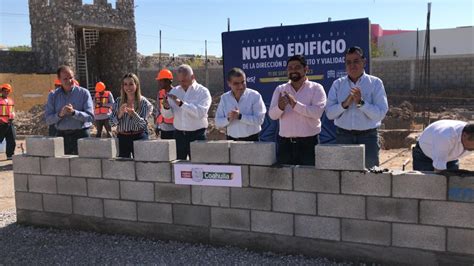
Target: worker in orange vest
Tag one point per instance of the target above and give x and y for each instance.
(104, 100)
(52, 127)
(7, 114)
(163, 126)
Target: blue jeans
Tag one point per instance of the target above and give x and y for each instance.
(370, 138)
(421, 162)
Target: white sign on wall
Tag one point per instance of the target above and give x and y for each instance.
(208, 175)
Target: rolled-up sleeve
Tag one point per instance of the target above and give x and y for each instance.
(379, 108)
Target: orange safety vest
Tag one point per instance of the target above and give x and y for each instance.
(100, 101)
(160, 118)
(7, 110)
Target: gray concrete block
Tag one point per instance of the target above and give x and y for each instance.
(172, 193)
(341, 206)
(461, 188)
(88, 206)
(245, 171)
(251, 198)
(253, 153)
(155, 150)
(392, 210)
(230, 218)
(120, 209)
(307, 178)
(104, 148)
(271, 177)
(107, 189)
(340, 157)
(140, 191)
(57, 203)
(294, 202)
(45, 146)
(149, 171)
(72, 186)
(24, 164)
(213, 151)
(272, 222)
(118, 169)
(55, 166)
(419, 236)
(212, 196)
(20, 182)
(42, 184)
(84, 167)
(155, 212)
(368, 232)
(420, 186)
(28, 201)
(192, 215)
(461, 241)
(457, 214)
(318, 227)
(374, 184)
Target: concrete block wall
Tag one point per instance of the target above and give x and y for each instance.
(403, 217)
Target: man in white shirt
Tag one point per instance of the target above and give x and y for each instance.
(188, 103)
(442, 144)
(241, 110)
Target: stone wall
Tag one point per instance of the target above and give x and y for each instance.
(18, 62)
(405, 217)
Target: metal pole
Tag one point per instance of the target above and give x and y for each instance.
(159, 56)
(205, 64)
(228, 24)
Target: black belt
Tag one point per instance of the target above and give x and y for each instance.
(71, 131)
(357, 132)
(190, 132)
(297, 139)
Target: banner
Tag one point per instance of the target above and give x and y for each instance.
(208, 175)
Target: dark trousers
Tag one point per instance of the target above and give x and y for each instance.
(8, 132)
(165, 134)
(370, 138)
(99, 124)
(126, 143)
(52, 130)
(183, 140)
(297, 151)
(421, 162)
(253, 137)
(70, 138)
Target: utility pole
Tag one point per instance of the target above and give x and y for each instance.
(205, 64)
(159, 56)
(228, 24)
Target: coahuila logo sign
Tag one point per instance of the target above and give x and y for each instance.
(209, 175)
(198, 175)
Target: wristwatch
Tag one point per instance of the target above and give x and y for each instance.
(240, 116)
(361, 103)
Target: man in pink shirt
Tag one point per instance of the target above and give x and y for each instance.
(299, 105)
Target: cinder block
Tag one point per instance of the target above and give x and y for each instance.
(141, 191)
(29, 201)
(42, 184)
(155, 150)
(271, 177)
(420, 186)
(457, 214)
(212, 196)
(460, 241)
(159, 172)
(107, 189)
(192, 215)
(230, 218)
(24, 164)
(72, 186)
(294, 202)
(374, 184)
(309, 179)
(21, 182)
(45, 146)
(341, 206)
(55, 166)
(272, 222)
(214, 151)
(118, 169)
(461, 188)
(104, 148)
(155, 212)
(340, 157)
(419, 236)
(172, 193)
(392, 210)
(369, 232)
(318, 227)
(251, 198)
(84, 167)
(120, 209)
(253, 153)
(57, 203)
(245, 170)
(88, 206)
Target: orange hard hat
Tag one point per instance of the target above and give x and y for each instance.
(57, 82)
(7, 86)
(100, 86)
(164, 74)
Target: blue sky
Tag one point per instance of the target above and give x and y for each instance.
(185, 24)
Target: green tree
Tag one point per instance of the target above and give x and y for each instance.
(20, 48)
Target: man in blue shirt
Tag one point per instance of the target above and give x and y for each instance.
(70, 109)
(358, 103)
